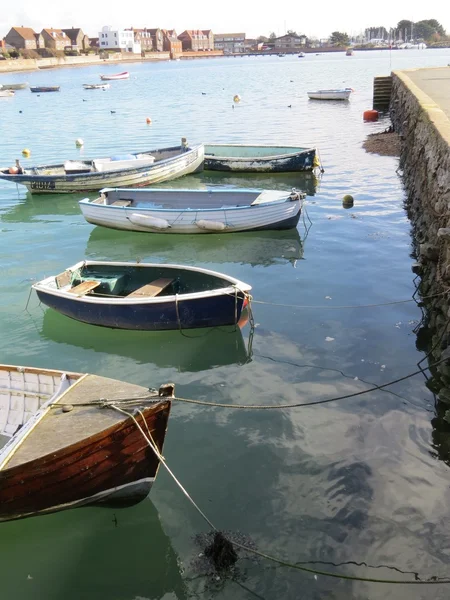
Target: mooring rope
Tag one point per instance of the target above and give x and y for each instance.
(325, 307)
(152, 444)
(106, 403)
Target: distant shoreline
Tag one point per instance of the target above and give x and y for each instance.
(32, 65)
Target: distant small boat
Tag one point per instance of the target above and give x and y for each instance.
(302, 55)
(124, 75)
(218, 210)
(145, 296)
(6, 93)
(349, 52)
(281, 55)
(253, 159)
(343, 94)
(96, 86)
(68, 448)
(13, 86)
(42, 90)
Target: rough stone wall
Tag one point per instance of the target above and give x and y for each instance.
(425, 165)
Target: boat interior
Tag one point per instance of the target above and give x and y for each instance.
(101, 165)
(188, 199)
(23, 391)
(249, 151)
(135, 281)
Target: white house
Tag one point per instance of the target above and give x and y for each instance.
(121, 40)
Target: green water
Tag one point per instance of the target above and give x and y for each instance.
(355, 480)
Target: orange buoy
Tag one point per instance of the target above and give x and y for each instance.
(148, 121)
(370, 115)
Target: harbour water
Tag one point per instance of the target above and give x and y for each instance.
(355, 480)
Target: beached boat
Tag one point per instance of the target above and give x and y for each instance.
(124, 75)
(138, 169)
(68, 447)
(144, 296)
(193, 211)
(302, 55)
(6, 93)
(43, 90)
(96, 86)
(13, 86)
(262, 159)
(343, 94)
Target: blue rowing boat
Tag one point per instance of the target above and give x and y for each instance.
(144, 296)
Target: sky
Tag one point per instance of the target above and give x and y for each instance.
(318, 19)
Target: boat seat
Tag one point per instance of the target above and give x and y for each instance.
(152, 289)
(63, 279)
(84, 287)
(121, 203)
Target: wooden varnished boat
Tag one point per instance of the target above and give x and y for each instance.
(66, 450)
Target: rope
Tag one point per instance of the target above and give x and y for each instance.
(312, 403)
(104, 403)
(349, 306)
(151, 442)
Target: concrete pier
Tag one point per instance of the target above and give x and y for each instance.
(420, 112)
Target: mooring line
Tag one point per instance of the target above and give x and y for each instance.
(151, 443)
(325, 307)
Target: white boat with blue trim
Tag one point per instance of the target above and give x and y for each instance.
(259, 159)
(216, 210)
(138, 169)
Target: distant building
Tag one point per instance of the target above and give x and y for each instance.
(171, 43)
(150, 39)
(22, 38)
(78, 39)
(55, 39)
(230, 43)
(94, 42)
(194, 40)
(210, 37)
(290, 41)
(121, 40)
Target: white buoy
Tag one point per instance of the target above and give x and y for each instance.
(79, 142)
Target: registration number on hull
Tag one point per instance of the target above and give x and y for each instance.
(42, 185)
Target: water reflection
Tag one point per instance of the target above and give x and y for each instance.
(254, 248)
(31, 207)
(91, 553)
(195, 350)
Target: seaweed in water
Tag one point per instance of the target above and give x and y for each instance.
(218, 556)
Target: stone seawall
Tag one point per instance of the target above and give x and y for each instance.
(425, 163)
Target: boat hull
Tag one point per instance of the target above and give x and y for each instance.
(276, 163)
(164, 170)
(115, 467)
(212, 311)
(330, 95)
(252, 218)
(44, 90)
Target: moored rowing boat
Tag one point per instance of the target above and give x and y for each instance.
(66, 449)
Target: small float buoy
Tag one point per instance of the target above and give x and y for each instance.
(26, 152)
(236, 98)
(347, 201)
(148, 121)
(79, 142)
(370, 115)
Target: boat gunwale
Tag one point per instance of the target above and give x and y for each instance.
(236, 285)
(282, 200)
